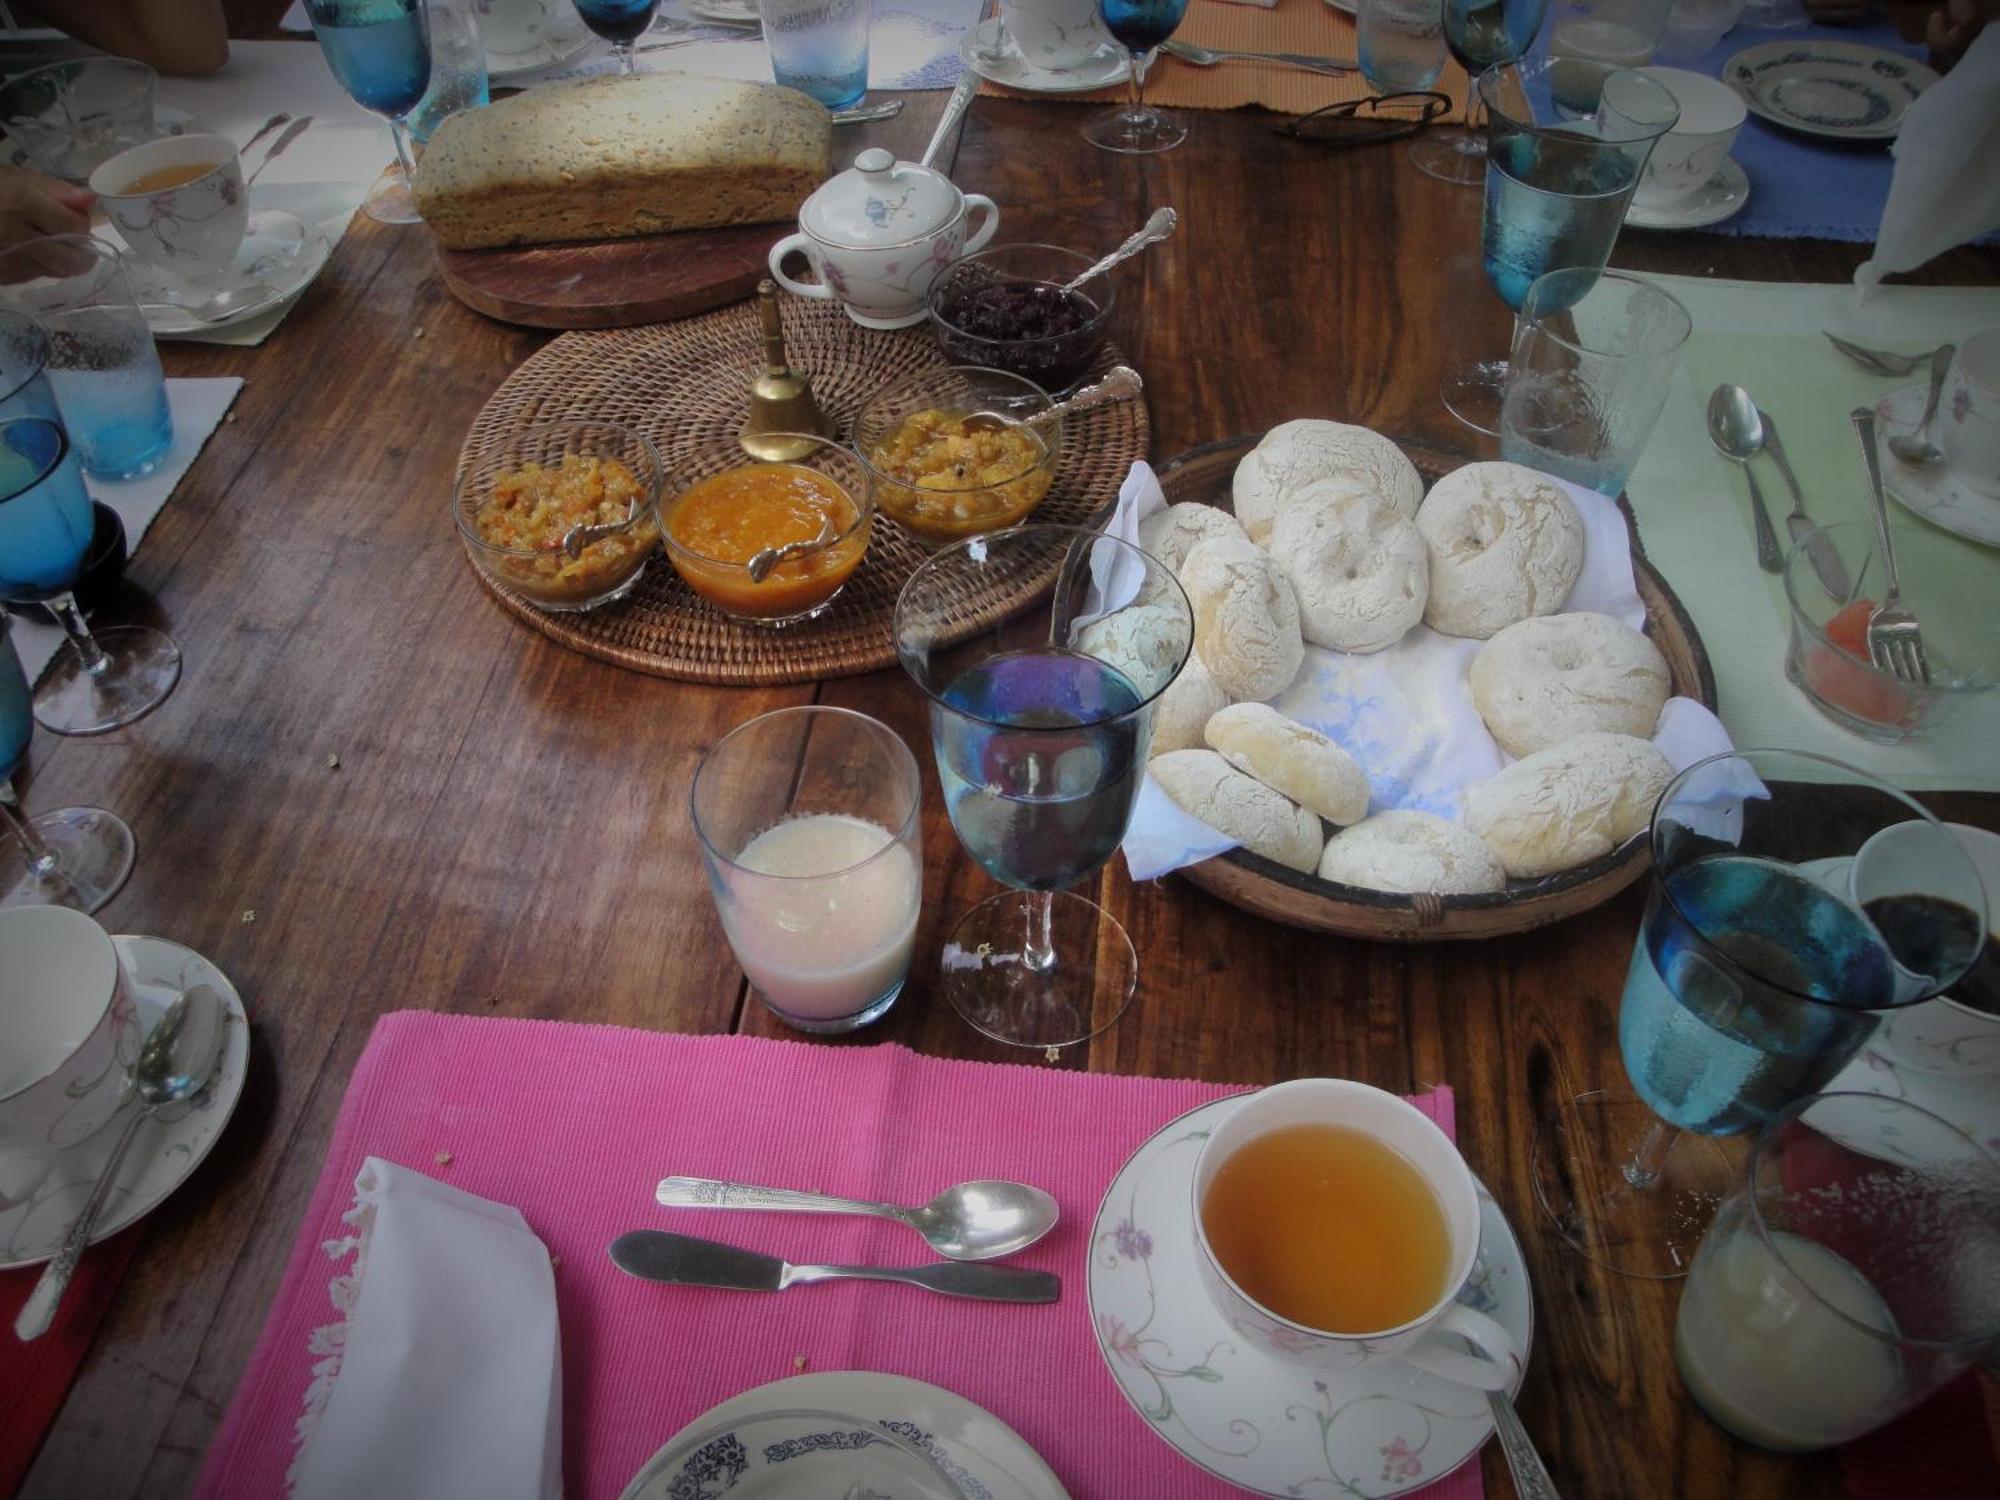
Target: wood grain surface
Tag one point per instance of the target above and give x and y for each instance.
(466, 856)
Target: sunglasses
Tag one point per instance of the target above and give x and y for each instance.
(1368, 122)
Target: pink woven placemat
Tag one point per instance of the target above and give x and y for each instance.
(574, 1124)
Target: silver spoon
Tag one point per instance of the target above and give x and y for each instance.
(765, 559)
(1531, 1475)
(1159, 227)
(282, 117)
(1917, 450)
(1120, 383)
(231, 302)
(293, 131)
(973, 1221)
(1208, 57)
(176, 1063)
(1737, 431)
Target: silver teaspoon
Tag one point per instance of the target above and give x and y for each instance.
(1159, 227)
(1916, 449)
(973, 1221)
(765, 559)
(175, 1064)
(1120, 383)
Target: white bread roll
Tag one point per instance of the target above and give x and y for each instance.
(1545, 680)
(1412, 852)
(1170, 534)
(1146, 642)
(1505, 543)
(1566, 806)
(1360, 570)
(1291, 758)
(1208, 787)
(1295, 454)
(1246, 620)
(1185, 708)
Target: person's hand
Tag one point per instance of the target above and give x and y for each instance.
(1952, 27)
(32, 205)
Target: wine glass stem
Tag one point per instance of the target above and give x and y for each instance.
(39, 858)
(402, 150)
(1650, 1160)
(95, 662)
(1135, 85)
(628, 61)
(1038, 949)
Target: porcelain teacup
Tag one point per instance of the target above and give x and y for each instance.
(1405, 1130)
(512, 27)
(1054, 33)
(1968, 418)
(69, 1038)
(190, 228)
(1712, 115)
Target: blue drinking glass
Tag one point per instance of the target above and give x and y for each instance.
(380, 52)
(1480, 36)
(621, 23)
(78, 856)
(1040, 729)
(1137, 127)
(95, 682)
(1794, 901)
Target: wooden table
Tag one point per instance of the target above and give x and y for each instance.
(506, 831)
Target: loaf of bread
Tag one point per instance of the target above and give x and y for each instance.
(609, 158)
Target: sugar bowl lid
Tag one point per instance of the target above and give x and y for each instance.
(880, 201)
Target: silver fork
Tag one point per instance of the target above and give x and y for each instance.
(1881, 361)
(1895, 644)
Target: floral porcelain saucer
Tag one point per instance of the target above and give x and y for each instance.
(165, 1151)
(987, 51)
(1719, 198)
(1936, 493)
(1269, 1427)
(280, 250)
(1967, 1100)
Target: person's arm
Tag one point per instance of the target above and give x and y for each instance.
(32, 205)
(175, 36)
(1953, 26)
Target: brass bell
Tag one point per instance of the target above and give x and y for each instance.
(781, 399)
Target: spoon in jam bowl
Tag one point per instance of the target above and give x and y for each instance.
(972, 1221)
(1120, 383)
(1159, 227)
(764, 559)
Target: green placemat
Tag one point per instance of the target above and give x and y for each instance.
(1694, 513)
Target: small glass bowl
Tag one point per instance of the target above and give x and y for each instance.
(995, 498)
(803, 585)
(604, 568)
(1056, 362)
(1827, 658)
(769, 1454)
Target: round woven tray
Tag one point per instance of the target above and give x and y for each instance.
(688, 382)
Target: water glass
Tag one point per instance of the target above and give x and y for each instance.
(1400, 43)
(458, 68)
(1854, 1272)
(1591, 39)
(70, 116)
(810, 825)
(1593, 355)
(819, 47)
(103, 365)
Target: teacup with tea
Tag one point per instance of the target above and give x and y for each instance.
(180, 202)
(1335, 1226)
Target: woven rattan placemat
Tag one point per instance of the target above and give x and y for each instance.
(688, 382)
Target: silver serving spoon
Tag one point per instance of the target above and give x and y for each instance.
(1917, 450)
(973, 1221)
(1737, 431)
(765, 559)
(176, 1063)
(1159, 227)
(1120, 383)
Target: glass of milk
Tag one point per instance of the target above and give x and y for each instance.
(810, 823)
(1855, 1271)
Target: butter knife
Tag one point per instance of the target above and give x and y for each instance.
(1820, 551)
(684, 1260)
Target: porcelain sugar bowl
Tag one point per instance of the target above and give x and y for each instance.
(878, 234)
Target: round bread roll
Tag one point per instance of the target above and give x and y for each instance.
(1185, 708)
(1294, 454)
(1292, 758)
(1505, 543)
(1246, 620)
(1208, 787)
(1566, 806)
(1170, 534)
(1412, 852)
(1358, 566)
(1145, 641)
(1545, 680)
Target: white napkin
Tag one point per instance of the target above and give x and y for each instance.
(446, 1382)
(198, 406)
(1946, 186)
(1406, 713)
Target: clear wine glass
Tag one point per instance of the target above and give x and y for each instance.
(76, 856)
(1794, 901)
(1138, 127)
(1480, 36)
(621, 23)
(1041, 746)
(380, 52)
(1556, 194)
(1399, 43)
(95, 682)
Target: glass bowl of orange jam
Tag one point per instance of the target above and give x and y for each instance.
(729, 507)
(521, 497)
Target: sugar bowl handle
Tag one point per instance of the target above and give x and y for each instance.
(980, 204)
(785, 247)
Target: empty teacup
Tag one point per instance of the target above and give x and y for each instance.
(1687, 156)
(180, 203)
(1054, 33)
(1969, 416)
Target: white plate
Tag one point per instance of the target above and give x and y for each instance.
(164, 1152)
(567, 37)
(1269, 1427)
(982, 1453)
(993, 57)
(1935, 493)
(726, 12)
(1840, 90)
(281, 250)
(1719, 198)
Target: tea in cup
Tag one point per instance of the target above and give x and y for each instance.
(1335, 1226)
(1968, 417)
(69, 1039)
(1712, 115)
(180, 202)
(1054, 33)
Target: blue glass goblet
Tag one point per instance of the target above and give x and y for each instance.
(1138, 127)
(380, 52)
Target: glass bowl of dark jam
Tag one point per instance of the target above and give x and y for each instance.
(1006, 309)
